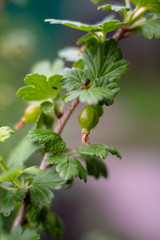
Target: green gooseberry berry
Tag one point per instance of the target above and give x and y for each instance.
(88, 118)
(32, 113)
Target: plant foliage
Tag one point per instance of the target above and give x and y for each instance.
(92, 79)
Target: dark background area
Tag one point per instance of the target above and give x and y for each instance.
(126, 205)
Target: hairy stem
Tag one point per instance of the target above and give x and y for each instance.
(61, 122)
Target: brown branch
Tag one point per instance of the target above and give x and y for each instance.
(121, 33)
(20, 219)
(60, 125)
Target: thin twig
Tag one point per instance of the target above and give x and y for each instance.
(59, 127)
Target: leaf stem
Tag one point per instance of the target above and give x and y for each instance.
(104, 37)
(136, 15)
(8, 188)
(17, 184)
(97, 37)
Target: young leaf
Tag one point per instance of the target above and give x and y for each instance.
(112, 150)
(40, 88)
(105, 61)
(111, 25)
(8, 200)
(116, 8)
(5, 133)
(21, 153)
(68, 167)
(73, 78)
(151, 5)
(91, 96)
(75, 25)
(27, 234)
(52, 141)
(10, 175)
(93, 150)
(33, 170)
(106, 27)
(41, 185)
(95, 166)
(85, 38)
(47, 106)
(151, 28)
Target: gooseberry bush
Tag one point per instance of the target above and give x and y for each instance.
(93, 79)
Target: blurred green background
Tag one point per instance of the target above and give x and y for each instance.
(127, 204)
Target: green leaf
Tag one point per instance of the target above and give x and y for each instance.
(85, 38)
(151, 28)
(48, 178)
(95, 166)
(106, 27)
(33, 170)
(111, 25)
(5, 133)
(116, 8)
(10, 175)
(55, 225)
(21, 153)
(73, 78)
(41, 185)
(68, 167)
(93, 150)
(8, 200)
(112, 150)
(152, 5)
(69, 54)
(20, 195)
(40, 195)
(105, 61)
(78, 64)
(40, 88)
(47, 106)
(52, 141)
(47, 68)
(75, 25)
(27, 234)
(98, 150)
(91, 96)
(7, 203)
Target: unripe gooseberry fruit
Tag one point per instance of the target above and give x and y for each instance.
(99, 110)
(88, 118)
(31, 113)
